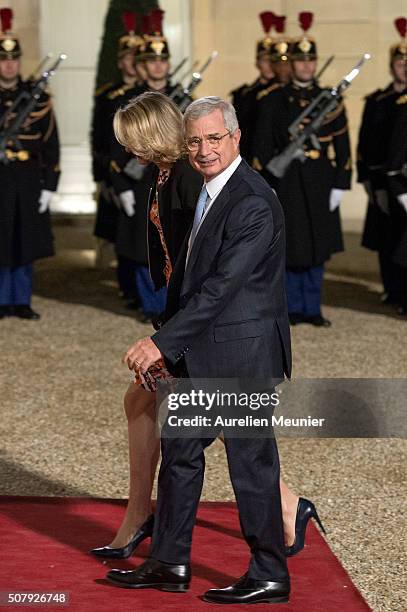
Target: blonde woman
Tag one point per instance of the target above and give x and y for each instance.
(150, 126)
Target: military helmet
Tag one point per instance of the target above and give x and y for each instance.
(130, 42)
(156, 45)
(399, 50)
(279, 50)
(9, 43)
(304, 47)
(264, 45)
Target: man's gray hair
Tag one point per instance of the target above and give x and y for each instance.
(206, 106)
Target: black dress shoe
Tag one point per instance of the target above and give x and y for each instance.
(5, 311)
(153, 574)
(318, 321)
(249, 591)
(145, 531)
(305, 511)
(26, 312)
(296, 317)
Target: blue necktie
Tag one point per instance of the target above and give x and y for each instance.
(199, 212)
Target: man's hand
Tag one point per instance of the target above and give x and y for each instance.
(142, 355)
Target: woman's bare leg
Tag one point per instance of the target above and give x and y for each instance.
(289, 503)
(144, 452)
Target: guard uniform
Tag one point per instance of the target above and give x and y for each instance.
(244, 97)
(108, 98)
(313, 231)
(28, 175)
(376, 147)
(127, 175)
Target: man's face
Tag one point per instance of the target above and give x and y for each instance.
(127, 65)
(304, 70)
(141, 71)
(399, 70)
(207, 160)
(9, 69)
(282, 70)
(265, 68)
(157, 69)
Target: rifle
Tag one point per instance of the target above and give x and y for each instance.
(40, 66)
(28, 101)
(324, 67)
(186, 73)
(177, 68)
(327, 101)
(182, 96)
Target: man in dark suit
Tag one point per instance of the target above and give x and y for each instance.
(227, 318)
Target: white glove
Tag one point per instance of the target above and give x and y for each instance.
(44, 201)
(335, 198)
(402, 199)
(382, 200)
(128, 202)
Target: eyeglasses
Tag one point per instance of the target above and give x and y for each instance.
(213, 141)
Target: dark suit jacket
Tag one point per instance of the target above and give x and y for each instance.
(227, 312)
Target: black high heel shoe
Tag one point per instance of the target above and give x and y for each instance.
(305, 511)
(145, 531)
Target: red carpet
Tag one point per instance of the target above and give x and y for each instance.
(44, 544)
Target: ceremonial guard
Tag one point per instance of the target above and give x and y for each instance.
(244, 97)
(311, 190)
(108, 98)
(373, 155)
(132, 181)
(396, 170)
(29, 172)
(279, 57)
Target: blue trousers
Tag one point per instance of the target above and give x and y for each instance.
(16, 285)
(304, 290)
(126, 270)
(152, 301)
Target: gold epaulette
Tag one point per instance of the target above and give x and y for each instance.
(102, 89)
(114, 166)
(256, 164)
(265, 92)
(119, 92)
(402, 99)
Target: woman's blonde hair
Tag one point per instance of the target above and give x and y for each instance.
(150, 125)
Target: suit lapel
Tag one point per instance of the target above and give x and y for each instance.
(207, 224)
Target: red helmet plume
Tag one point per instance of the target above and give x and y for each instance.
(267, 20)
(6, 18)
(401, 26)
(129, 21)
(306, 18)
(280, 23)
(156, 21)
